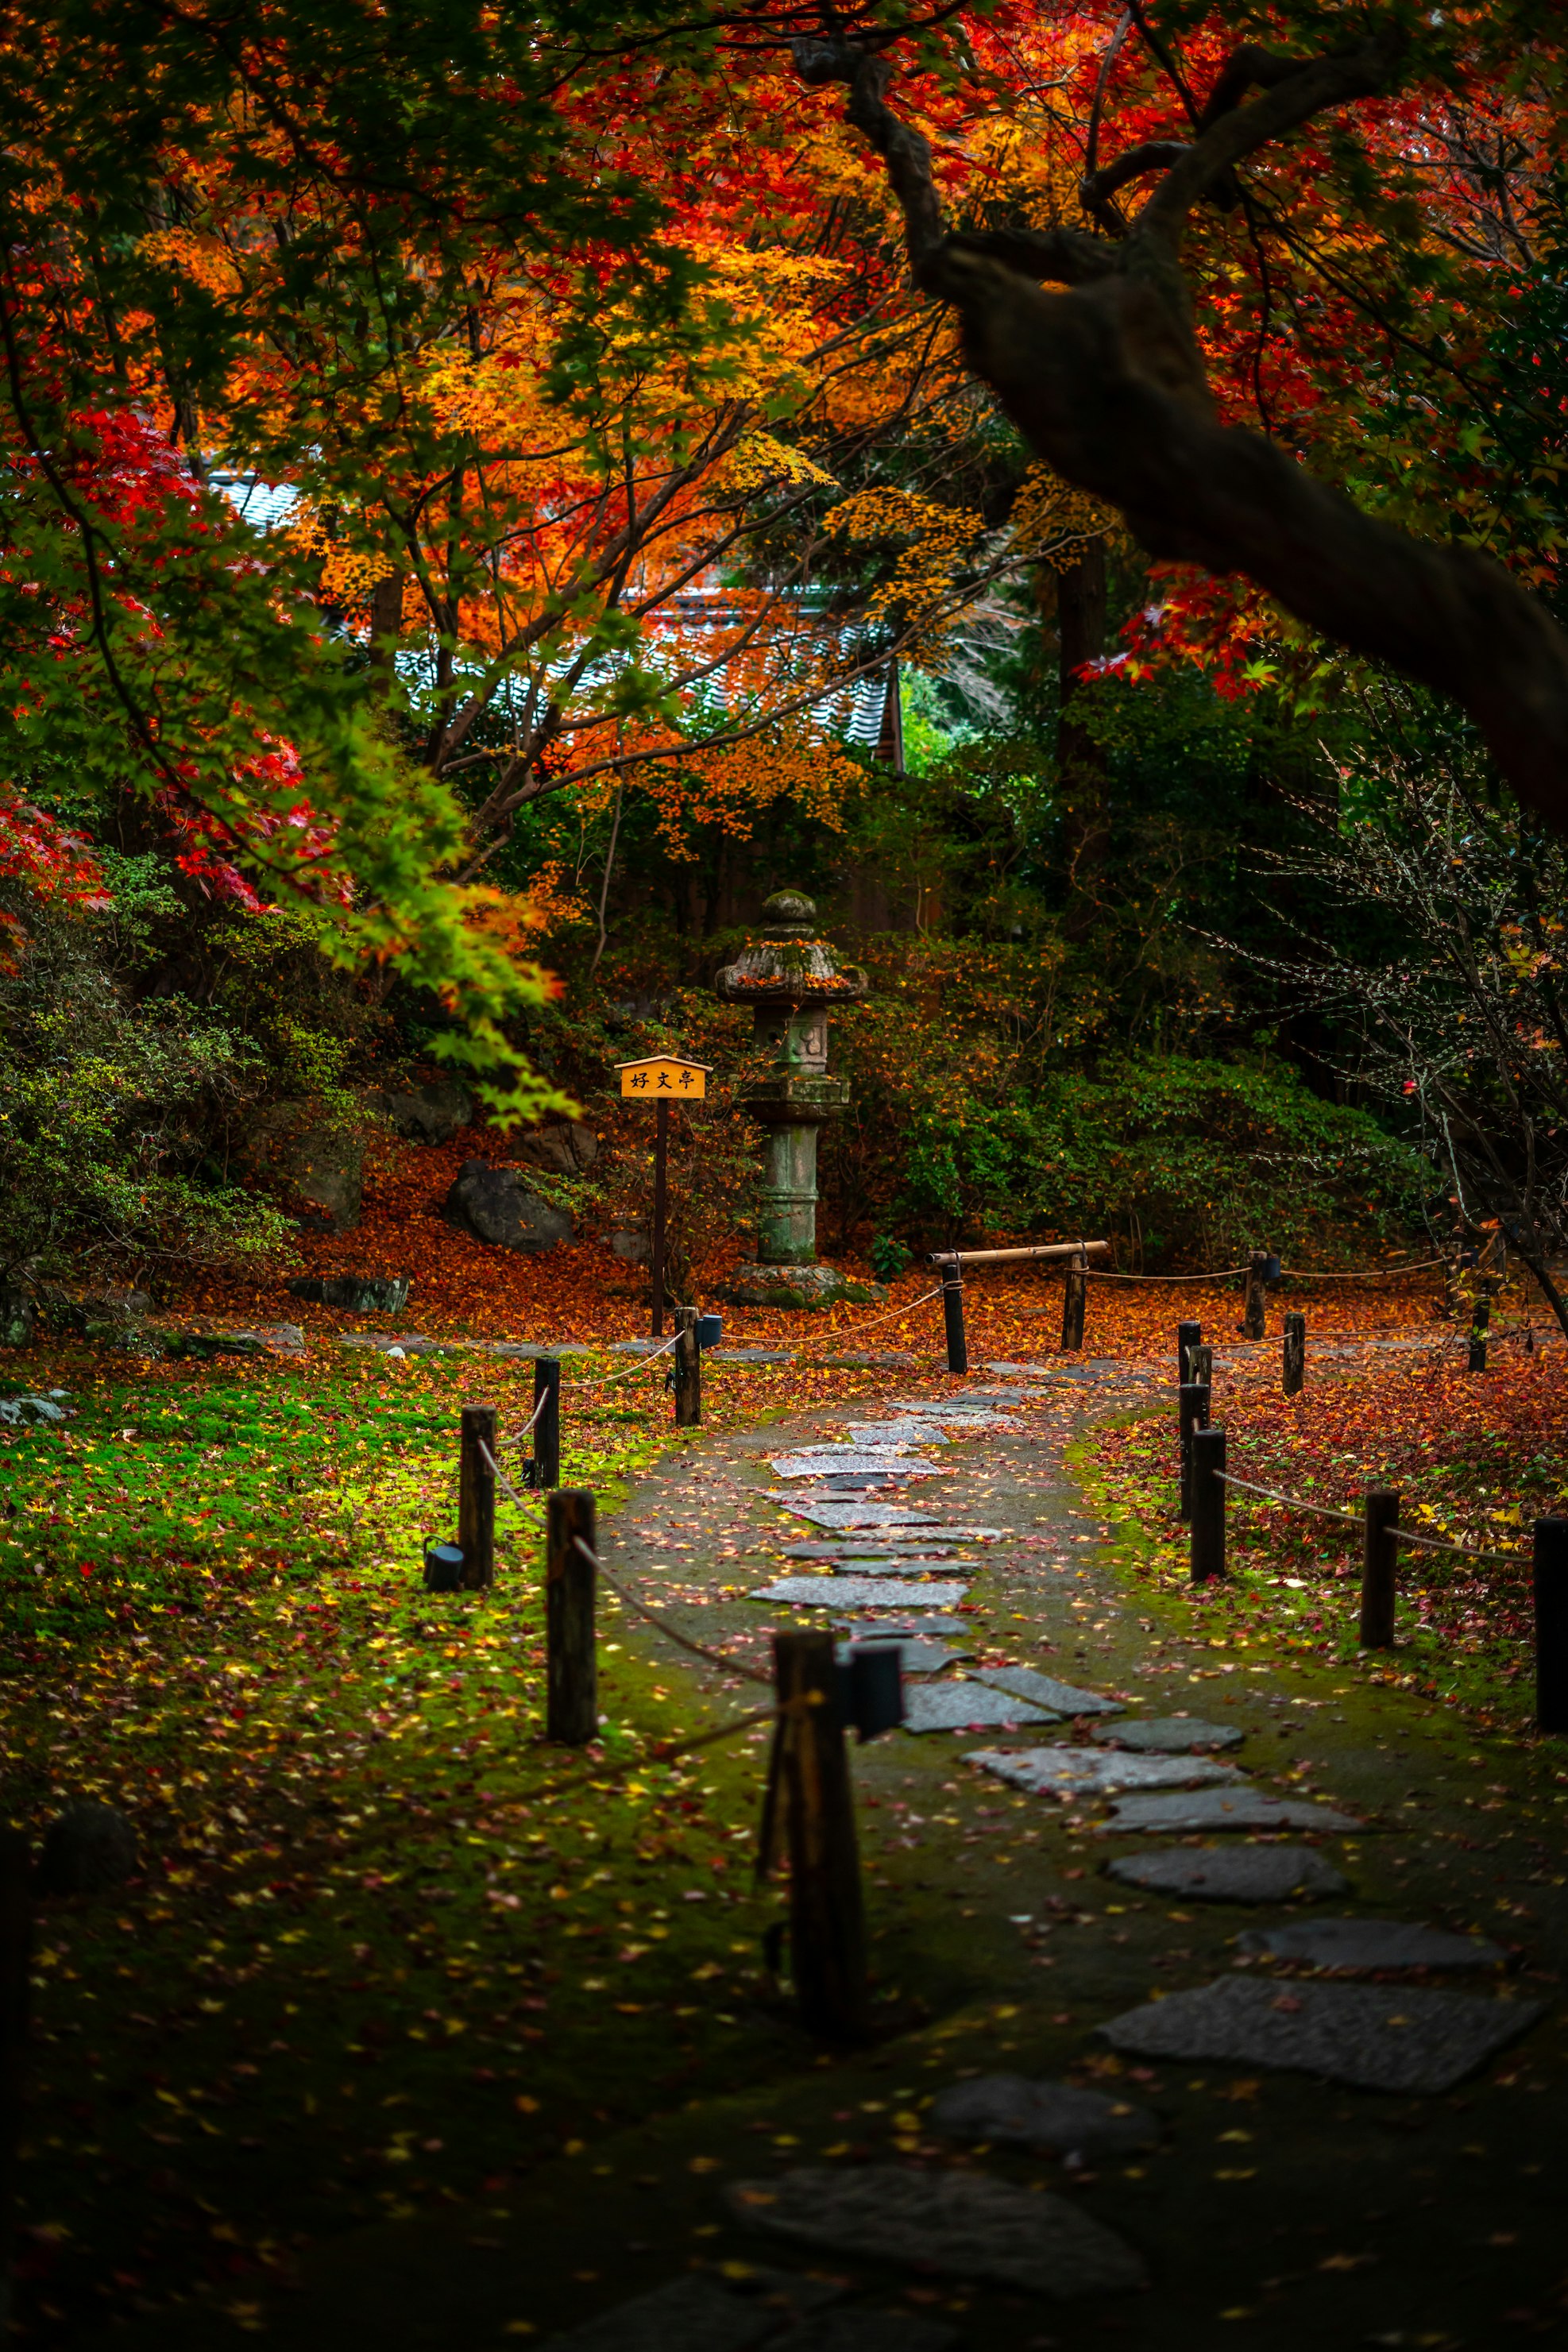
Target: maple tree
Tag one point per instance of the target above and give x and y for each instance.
(1127, 382)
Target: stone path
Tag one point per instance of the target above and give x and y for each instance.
(1124, 2089)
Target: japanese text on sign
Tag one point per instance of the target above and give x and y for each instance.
(664, 1076)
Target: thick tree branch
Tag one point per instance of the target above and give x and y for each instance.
(1106, 383)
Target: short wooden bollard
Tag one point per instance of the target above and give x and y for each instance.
(1295, 1377)
(1252, 1321)
(1480, 1322)
(953, 1315)
(1075, 1303)
(1188, 1337)
(1202, 1366)
(688, 1370)
(1379, 1569)
(476, 1497)
(826, 1916)
(1551, 1580)
(571, 1680)
(1192, 1412)
(547, 1428)
(1209, 1505)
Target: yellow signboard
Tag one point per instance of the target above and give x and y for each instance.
(664, 1078)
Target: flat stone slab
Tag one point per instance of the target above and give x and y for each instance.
(961, 2222)
(1368, 1944)
(703, 2315)
(1093, 1771)
(909, 1431)
(862, 1592)
(864, 1548)
(965, 1707)
(1015, 2111)
(866, 2331)
(387, 1343)
(1240, 1808)
(878, 1469)
(936, 1627)
(915, 1658)
(891, 1516)
(1237, 1874)
(752, 1356)
(1169, 1734)
(1387, 2038)
(1027, 1682)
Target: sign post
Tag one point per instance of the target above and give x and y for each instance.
(661, 1079)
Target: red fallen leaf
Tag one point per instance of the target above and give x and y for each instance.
(1286, 2001)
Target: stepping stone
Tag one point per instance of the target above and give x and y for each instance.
(862, 1592)
(891, 1516)
(960, 2222)
(867, 1547)
(935, 1626)
(1387, 2038)
(896, 1433)
(1227, 1808)
(866, 2331)
(964, 1707)
(1367, 1944)
(1012, 2110)
(703, 2315)
(1238, 1874)
(1093, 1771)
(915, 1658)
(750, 1356)
(1045, 1690)
(811, 1461)
(1169, 1734)
(875, 1567)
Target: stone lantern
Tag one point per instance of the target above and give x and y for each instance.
(789, 978)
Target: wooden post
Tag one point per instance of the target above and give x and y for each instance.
(1075, 1299)
(828, 1929)
(15, 1957)
(952, 1315)
(1192, 1412)
(1551, 1580)
(476, 1497)
(1480, 1319)
(1379, 1569)
(1295, 1354)
(1252, 1323)
(571, 1683)
(1209, 1505)
(1202, 1366)
(547, 1428)
(688, 1370)
(660, 1202)
(1188, 1337)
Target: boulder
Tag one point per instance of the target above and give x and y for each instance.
(360, 1294)
(496, 1206)
(805, 1287)
(634, 1249)
(433, 1113)
(321, 1165)
(88, 1848)
(567, 1148)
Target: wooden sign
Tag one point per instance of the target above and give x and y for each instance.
(664, 1078)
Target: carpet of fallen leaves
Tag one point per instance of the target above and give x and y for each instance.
(1474, 1457)
(366, 1966)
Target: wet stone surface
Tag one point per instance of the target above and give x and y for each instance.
(1388, 2038)
(862, 1592)
(1241, 1873)
(1171, 1735)
(706, 2315)
(1012, 2111)
(1240, 1808)
(1370, 1944)
(1093, 1771)
(961, 2222)
(965, 1707)
(1045, 1690)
